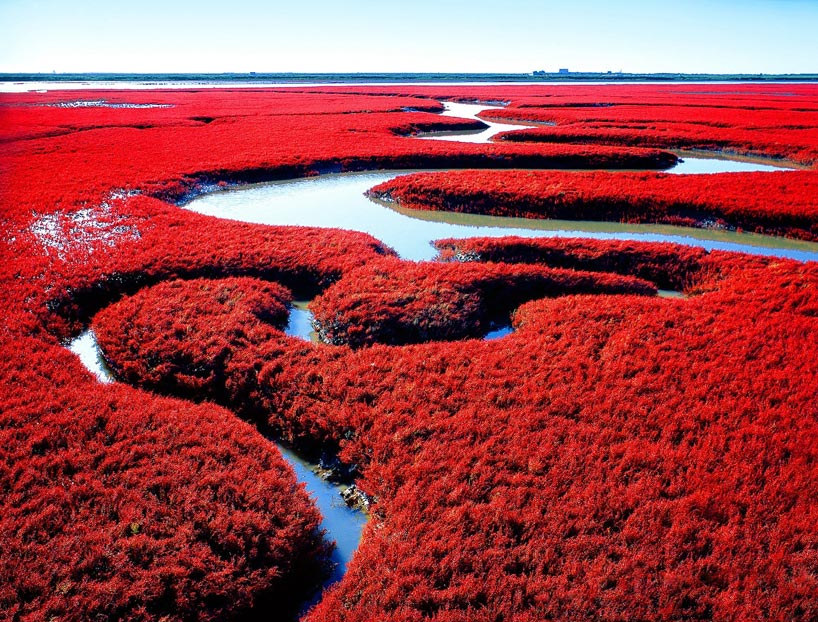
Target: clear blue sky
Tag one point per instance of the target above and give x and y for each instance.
(717, 36)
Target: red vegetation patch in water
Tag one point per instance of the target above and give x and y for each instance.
(802, 150)
(669, 266)
(738, 200)
(220, 314)
(394, 303)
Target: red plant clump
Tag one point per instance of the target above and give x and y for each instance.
(801, 148)
(624, 115)
(615, 457)
(387, 302)
(669, 266)
(789, 134)
(738, 200)
(119, 505)
(222, 314)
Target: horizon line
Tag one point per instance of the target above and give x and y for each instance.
(274, 76)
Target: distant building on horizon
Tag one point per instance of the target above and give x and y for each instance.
(543, 72)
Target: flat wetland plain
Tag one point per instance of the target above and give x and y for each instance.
(408, 347)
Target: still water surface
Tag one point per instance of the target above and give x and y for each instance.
(338, 201)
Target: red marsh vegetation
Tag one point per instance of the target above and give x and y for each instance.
(781, 203)
(619, 456)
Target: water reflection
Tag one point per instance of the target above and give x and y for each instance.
(700, 163)
(343, 524)
(87, 349)
(496, 333)
(300, 322)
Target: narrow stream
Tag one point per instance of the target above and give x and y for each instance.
(300, 322)
(470, 111)
(343, 524)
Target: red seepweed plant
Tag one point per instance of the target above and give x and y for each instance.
(618, 456)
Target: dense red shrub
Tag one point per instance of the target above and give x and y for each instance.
(616, 457)
(389, 302)
(737, 200)
(122, 506)
(222, 314)
(667, 265)
(600, 456)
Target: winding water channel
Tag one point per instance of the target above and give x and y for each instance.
(470, 111)
(693, 163)
(343, 524)
(338, 201)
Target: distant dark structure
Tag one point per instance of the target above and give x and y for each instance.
(542, 72)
